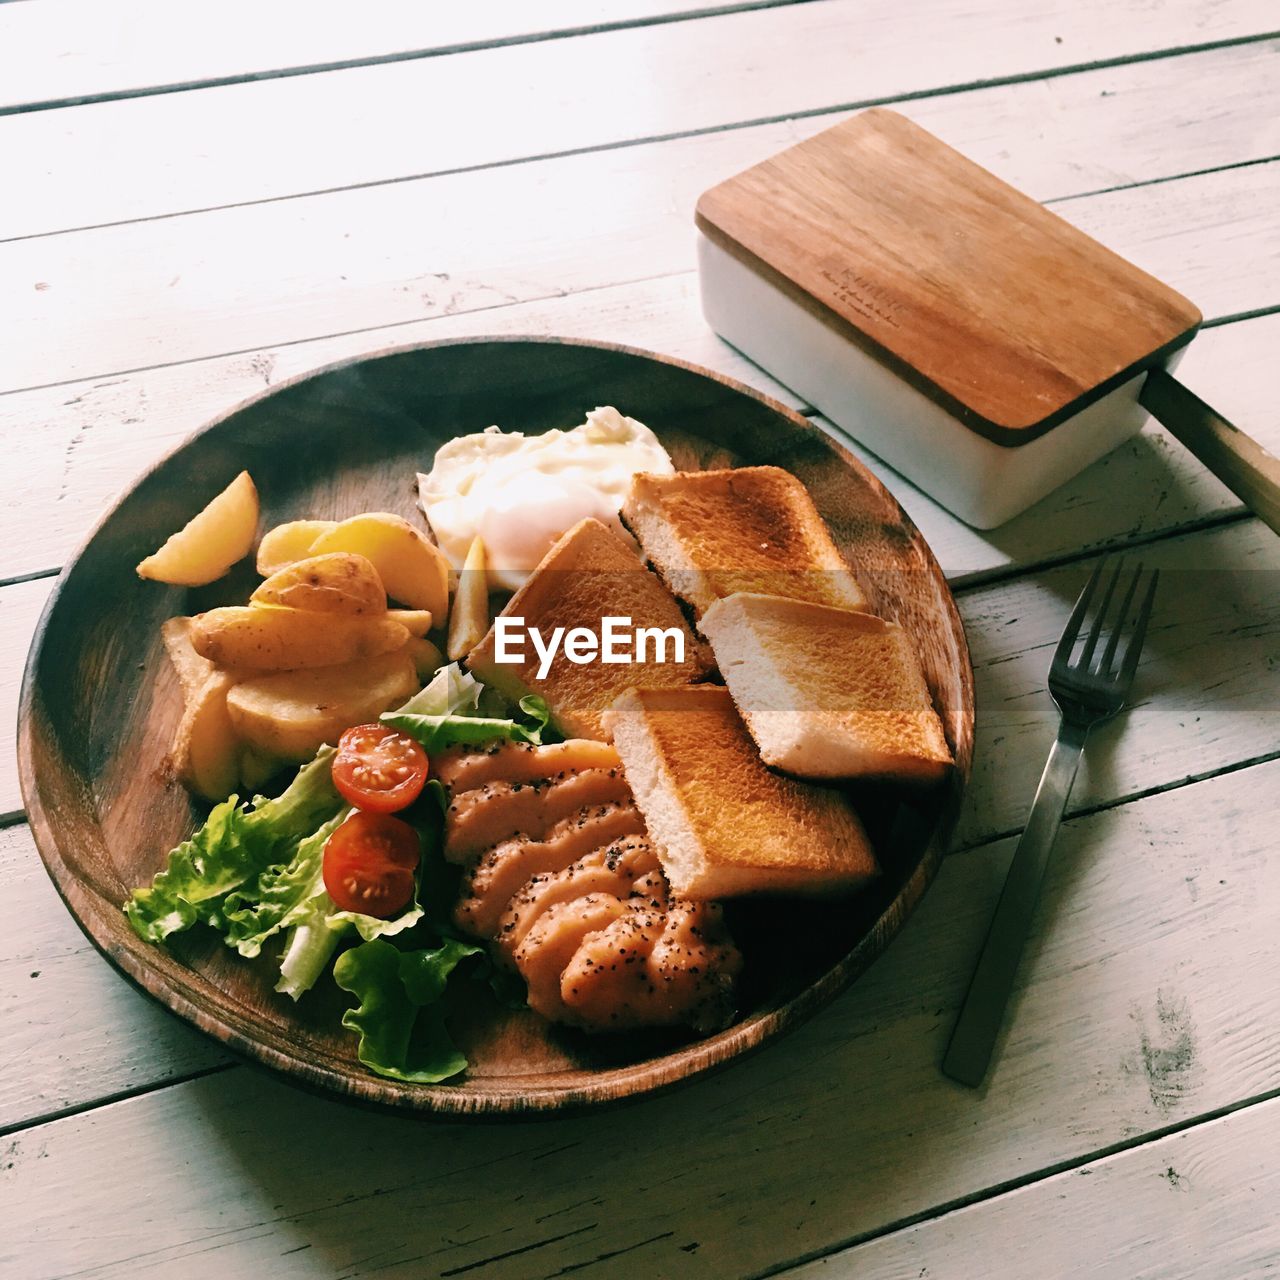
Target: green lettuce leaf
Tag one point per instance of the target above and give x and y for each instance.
(447, 713)
(400, 1018)
(234, 847)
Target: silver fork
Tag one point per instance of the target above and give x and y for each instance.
(1087, 692)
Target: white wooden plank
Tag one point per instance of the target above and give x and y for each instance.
(1145, 1002)
(240, 279)
(75, 49)
(131, 158)
(75, 1030)
(1205, 694)
(84, 442)
(1200, 1203)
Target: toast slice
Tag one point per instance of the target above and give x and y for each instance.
(589, 575)
(827, 693)
(723, 824)
(712, 533)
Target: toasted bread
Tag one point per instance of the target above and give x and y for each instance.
(723, 824)
(711, 533)
(590, 574)
(827, 693)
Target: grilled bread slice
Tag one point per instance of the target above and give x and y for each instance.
(827, 693)
(711, 533)
(590, 574)
(722, 823)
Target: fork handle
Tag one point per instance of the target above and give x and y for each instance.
(974, 1037)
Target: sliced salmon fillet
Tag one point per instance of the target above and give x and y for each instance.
(648, 968)
(615, 868)
(486, 815)
(506, 868)
(552, 942)
(462, 768)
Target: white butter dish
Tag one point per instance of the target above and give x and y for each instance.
(980, 345)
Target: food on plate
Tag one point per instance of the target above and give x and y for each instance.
(722, 822)
(378, 769)
(417, 622)
(339, 582)
(269, 638)
(591, 867)
(369, 862)
(206, 748)
(289, 715)
(286, 543)
(827, 693)
(469, 619)
(412, 568)
(562, 883)
(211, 541)
(590, 574)
(520, 493)
(712, 533)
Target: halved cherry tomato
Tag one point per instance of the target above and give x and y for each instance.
(369, 863)
(379, 769)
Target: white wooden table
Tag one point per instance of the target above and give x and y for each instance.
(197, 201)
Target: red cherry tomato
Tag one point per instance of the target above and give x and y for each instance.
(369, 863)
(378, 768)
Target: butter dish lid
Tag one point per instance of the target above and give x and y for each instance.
(998, 309)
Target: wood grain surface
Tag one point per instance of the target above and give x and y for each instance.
(96, 720)
(969, 290)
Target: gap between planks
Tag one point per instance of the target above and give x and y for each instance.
(460, 45)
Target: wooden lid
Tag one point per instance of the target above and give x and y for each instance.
(1005, 314)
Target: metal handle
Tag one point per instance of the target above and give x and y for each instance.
(974, 1037)
(1237, 459)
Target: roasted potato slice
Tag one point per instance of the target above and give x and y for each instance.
(417, 622)
(413, 569)
(271, 638)
(256, 768)
(289, 714)
(192, 669)
(206, 749)
(426, 657)
(340, 582)
(286, 543)
(211, 541)
(469, 619)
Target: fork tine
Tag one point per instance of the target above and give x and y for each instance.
(1086, 654)
(1109, 653)
(1062, 654)
(1134, 651)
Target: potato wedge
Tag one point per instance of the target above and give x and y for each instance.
(211, 541)
(269, 638)
(206, 749)
(286, 543)
(192, 669)
(257, 768)
(340, 582)
(289, 714)
(412, 568)
(427, 659)
(469, 619)
(417, 622)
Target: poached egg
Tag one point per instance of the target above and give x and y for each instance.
(520, 493)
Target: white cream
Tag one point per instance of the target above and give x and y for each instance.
(520, 493)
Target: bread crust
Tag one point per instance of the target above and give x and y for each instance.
(827, 693)
(590, 573)
(713, 533)
(722, 822)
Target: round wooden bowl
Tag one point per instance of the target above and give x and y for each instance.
(100, 703)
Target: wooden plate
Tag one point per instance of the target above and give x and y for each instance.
(99, 703)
